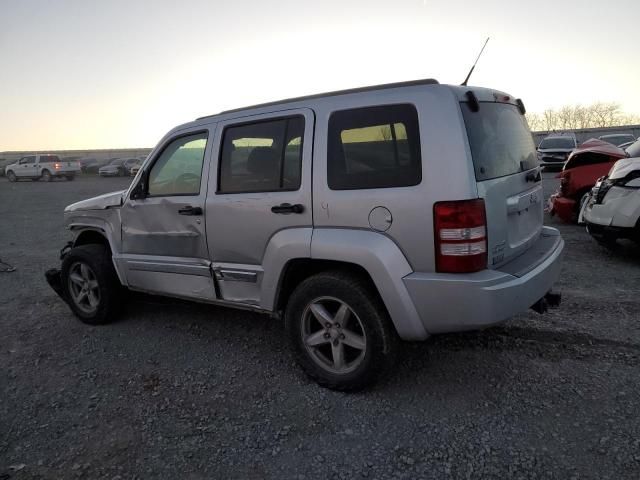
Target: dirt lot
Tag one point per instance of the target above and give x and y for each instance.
(176, 390)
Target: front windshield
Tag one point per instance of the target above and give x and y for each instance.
(116, 162)
(557, 142)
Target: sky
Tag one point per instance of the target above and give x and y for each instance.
(119, 74)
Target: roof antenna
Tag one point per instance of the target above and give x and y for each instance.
(464, 84)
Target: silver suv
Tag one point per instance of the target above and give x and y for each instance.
(360, 217)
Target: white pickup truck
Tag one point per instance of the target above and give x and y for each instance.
(42, 167)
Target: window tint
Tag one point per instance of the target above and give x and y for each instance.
(49, 158)
(374, 147)
(29, 159)
(178, 169)
(500, 140)
(262, 157)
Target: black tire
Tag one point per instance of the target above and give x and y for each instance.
(70, 177)
(110, 297)
(11, 176)
(45, 176)
(381, 343)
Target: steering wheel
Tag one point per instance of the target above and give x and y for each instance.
(187, 179)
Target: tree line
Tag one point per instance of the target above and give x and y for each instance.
(572, 117)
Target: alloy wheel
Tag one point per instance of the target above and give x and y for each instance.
(84, 288)
(333, 335)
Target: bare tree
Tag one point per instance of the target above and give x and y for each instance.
(571, 117)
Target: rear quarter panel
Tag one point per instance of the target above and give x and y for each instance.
(447, 172)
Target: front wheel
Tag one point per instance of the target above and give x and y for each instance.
(11, 176)
(91, 284)
(340, 332)
(45, 176)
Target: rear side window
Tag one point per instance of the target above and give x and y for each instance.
(29, 159)
(374, 147)
(500, 140)
(262, 157)
(49, 158)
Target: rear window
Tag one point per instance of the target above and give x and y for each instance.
(374, 147)
(500, 140)
(557, 142)
(49, 158)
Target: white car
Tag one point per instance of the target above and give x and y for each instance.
(42, 167)
(612, 210)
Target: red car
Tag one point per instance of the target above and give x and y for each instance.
(590, 161)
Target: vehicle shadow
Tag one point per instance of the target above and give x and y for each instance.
(446, 359)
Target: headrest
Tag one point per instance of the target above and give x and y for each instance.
(263, 161)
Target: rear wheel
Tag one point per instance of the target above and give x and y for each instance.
(45, 176)
(70, 177)
(340, 332)
(11, 176)
(91, 284)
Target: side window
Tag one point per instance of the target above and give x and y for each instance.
(262, 157)
(374, 147)
(178, 169)
(29, 159)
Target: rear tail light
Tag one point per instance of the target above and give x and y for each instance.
(460, 230)
(56, 165)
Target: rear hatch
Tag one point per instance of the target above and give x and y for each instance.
(507, 176)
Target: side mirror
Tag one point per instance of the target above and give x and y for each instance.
(139, 191)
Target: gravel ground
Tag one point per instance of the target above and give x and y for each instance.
(178, 390)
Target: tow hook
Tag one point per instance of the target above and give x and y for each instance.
(550, 300)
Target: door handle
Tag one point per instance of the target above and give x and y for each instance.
(287, 208)
(189, 210)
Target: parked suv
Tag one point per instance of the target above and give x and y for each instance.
(358, 216)
(554, 149)
(42, 167)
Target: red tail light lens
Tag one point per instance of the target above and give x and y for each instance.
(56, 165)
(460, 230)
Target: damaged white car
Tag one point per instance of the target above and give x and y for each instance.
(612, 210)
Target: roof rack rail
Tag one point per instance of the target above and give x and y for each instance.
(410, 83)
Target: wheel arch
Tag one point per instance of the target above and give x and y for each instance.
(96, 235)
(371, 255)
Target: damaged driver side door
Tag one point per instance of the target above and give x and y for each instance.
(164, 247)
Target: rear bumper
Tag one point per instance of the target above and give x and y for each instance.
(563, 207)
(455, 302)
